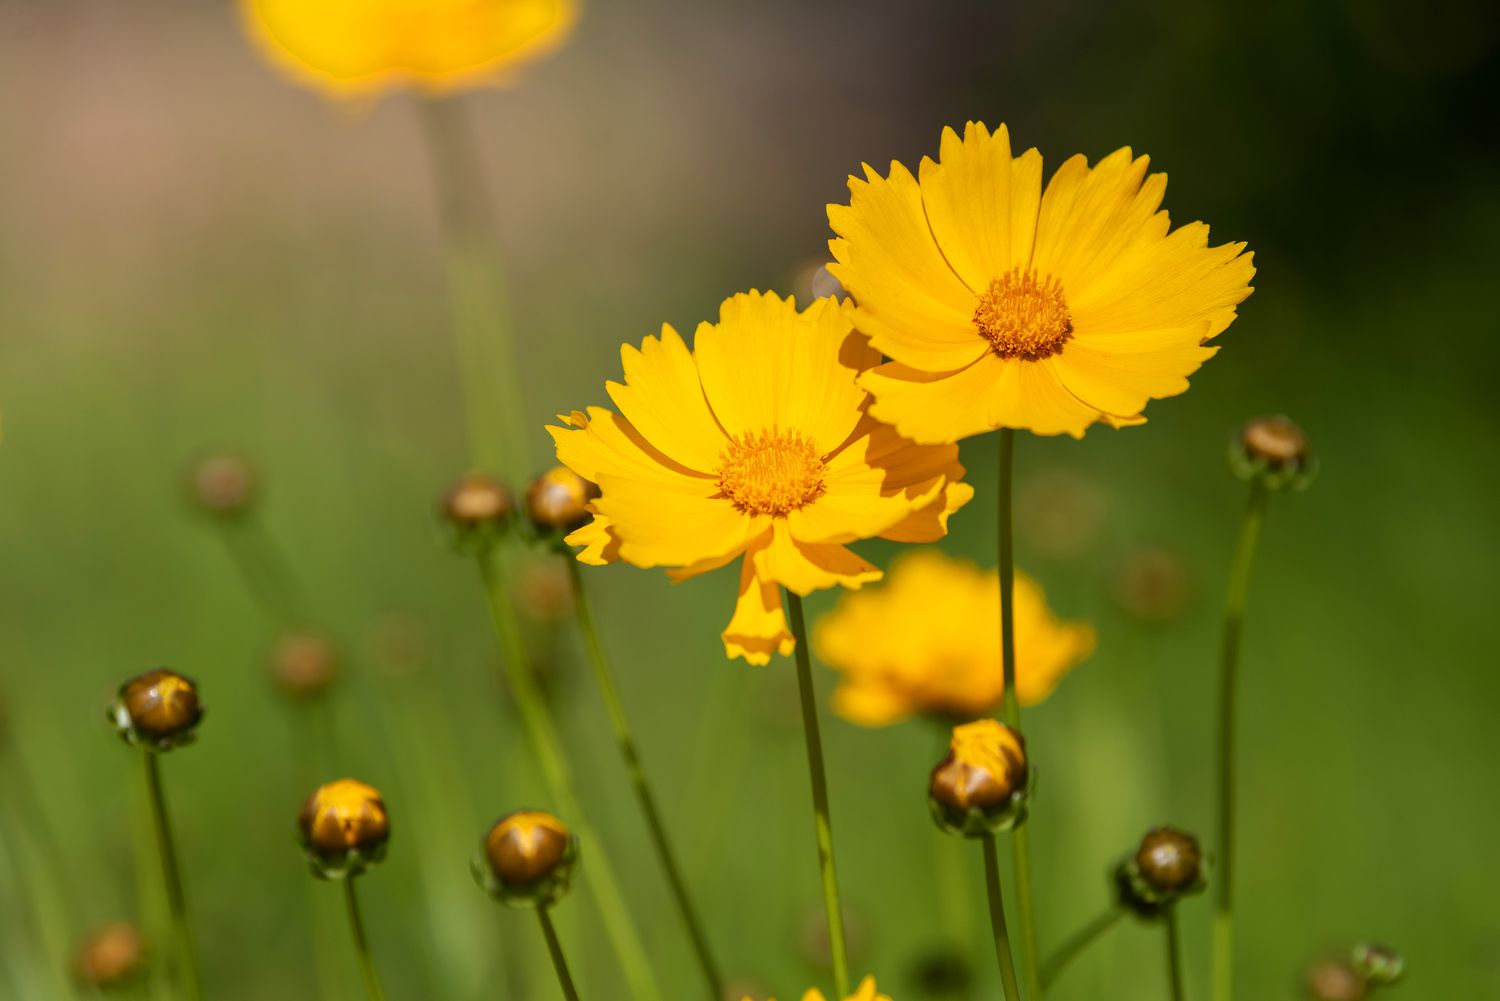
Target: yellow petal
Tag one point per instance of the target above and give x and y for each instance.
(600, 547)
(930, 523)
(603, 443)
(805, 567)
(663, 399)
(1089, 218)
(758, 628)
(1119, 375)
(671, 523)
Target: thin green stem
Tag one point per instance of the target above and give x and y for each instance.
(821, 817)
(604, 676)
(264, 571)
(554, 949)
(187, 952)
(546, 747)
(1234, 617)
(997, 920)
(1077, 943)
(361, 944)
(1174, 954)
(1020, 839)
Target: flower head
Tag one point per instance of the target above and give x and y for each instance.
(754, 446)
(113, 958)
(1167, 866)
(527, 859)
(984, 782)
(1002, 304)
(924, 642)
(344, 828)
(158, 710)
(354, 47)
(866, 991)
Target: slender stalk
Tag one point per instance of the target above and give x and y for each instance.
(361, 944)
(1174, 955)
(1077, 943)
(1020, 838)
(187, 952)
(559, 961)
(264, 571)
(997, 920)
(821, 818)
(1234, 618)
(604, 676)
(546, 747)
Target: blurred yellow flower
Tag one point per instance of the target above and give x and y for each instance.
(1003, 305)
(754, 444)
(926, 642)
(355, 47)
(865, 992)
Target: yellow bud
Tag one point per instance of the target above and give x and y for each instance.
(158, 709)
(981, 786)
(112, 958)
(344, 827)
(528, 859)
(558, 500)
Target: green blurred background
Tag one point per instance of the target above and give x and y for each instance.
(196, 254)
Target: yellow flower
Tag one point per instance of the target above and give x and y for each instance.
(925, 642)
(352, 47)
(865, 992)
(755, 444)
(1003, 305)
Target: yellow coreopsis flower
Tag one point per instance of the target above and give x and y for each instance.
(754, 444)
(865, 992)
(355, 47)
(924, 642)
(1004, 305)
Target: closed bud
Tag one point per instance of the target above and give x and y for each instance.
(303, 665)
(983, 784)
(1167, 866)
(1274, 452)
(1333, 980)
(558, 500)
(343, 828)
(113, 958)
(527, 859)
(478, 508)
(223, 485)
(1378, 964)
(158, 710)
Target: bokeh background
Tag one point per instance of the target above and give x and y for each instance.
(196, 254)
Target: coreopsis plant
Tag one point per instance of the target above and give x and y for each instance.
(755, 445)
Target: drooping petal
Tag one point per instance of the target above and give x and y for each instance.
(805, 567)
(758, 628)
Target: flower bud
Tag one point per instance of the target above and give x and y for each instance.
(224, 485)
(558, 500)
(1274, 452)
(343, 828)
(158, 710)
(983, 785)
(113, 958)
(478, 508)
(527, 859)
(1168, 865)
(1378, 964)
(1333, 980)
(303, 665)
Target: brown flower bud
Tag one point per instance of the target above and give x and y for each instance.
(344, 828)
(1333, 980)
(1169, 859)
(303, 665)
(528, 859)
(223, 484)
(112, 958)
(158, 709)
(1274, 452)
(981, 786)
(558, 500)
(478, 507)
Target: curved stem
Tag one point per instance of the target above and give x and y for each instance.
(559, 961)
(1020, 838)
(997, 920)
(1174, 954)
(1077, 943)
(821, 818)
(1234, 617)
(546, 747)
(641, 786)
(361, 944)
(187, 952)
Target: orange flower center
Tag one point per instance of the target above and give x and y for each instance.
(1023, 316)
(771, 472)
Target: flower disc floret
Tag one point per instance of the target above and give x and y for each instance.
(772, 472)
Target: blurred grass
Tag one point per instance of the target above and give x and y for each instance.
(189, 267)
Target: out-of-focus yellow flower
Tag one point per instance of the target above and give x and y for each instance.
(925, 643)
(755, 444)
(1003, 305)
(865, 992)
(356, 47)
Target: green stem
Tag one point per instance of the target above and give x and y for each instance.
(554, 949)
(1174, 954)
(1020, 839)
(821, 818)
(480, 312)
(546, 747)
(187, 952)
(1234, 617)
(642, 788)
(361, 944)
(997, 920)
(1077, 943)
(264, 571)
